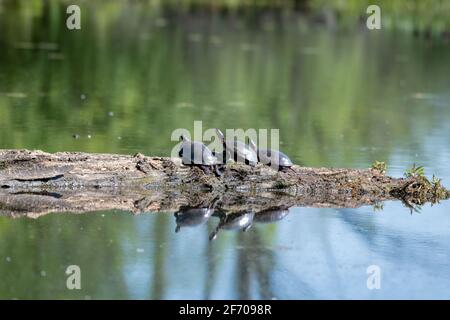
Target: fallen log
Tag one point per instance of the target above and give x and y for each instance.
(33, 183)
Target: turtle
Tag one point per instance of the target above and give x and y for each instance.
(192, 216)
(265, 156)
(239, 151)
(271, 215)
(233, 221)
(197, 154)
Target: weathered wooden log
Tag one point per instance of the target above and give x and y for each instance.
(33, 183)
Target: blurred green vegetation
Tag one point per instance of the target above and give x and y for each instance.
(130, 77)
(429, 16)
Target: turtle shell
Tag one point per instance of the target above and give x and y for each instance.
(242, 152)
(197, 153)
(281, 160)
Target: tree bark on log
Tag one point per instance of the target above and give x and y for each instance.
(33, 183)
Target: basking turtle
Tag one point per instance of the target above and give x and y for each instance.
(239, 151)
(197, 154)
(271, 215)
(233, 221)
(192, 216)
(266, 156)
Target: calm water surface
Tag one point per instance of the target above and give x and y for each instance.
(339, 99)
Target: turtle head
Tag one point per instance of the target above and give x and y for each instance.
(220, 135)
(252, 144)
(184, 138)
(213, 235)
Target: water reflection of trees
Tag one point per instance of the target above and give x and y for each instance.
(157, 80)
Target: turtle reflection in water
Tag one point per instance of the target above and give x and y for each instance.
(192, 216)
(271, 215)
(189, 216)
(242, 220)
(195, 216)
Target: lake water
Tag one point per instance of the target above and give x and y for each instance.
(125, 81)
